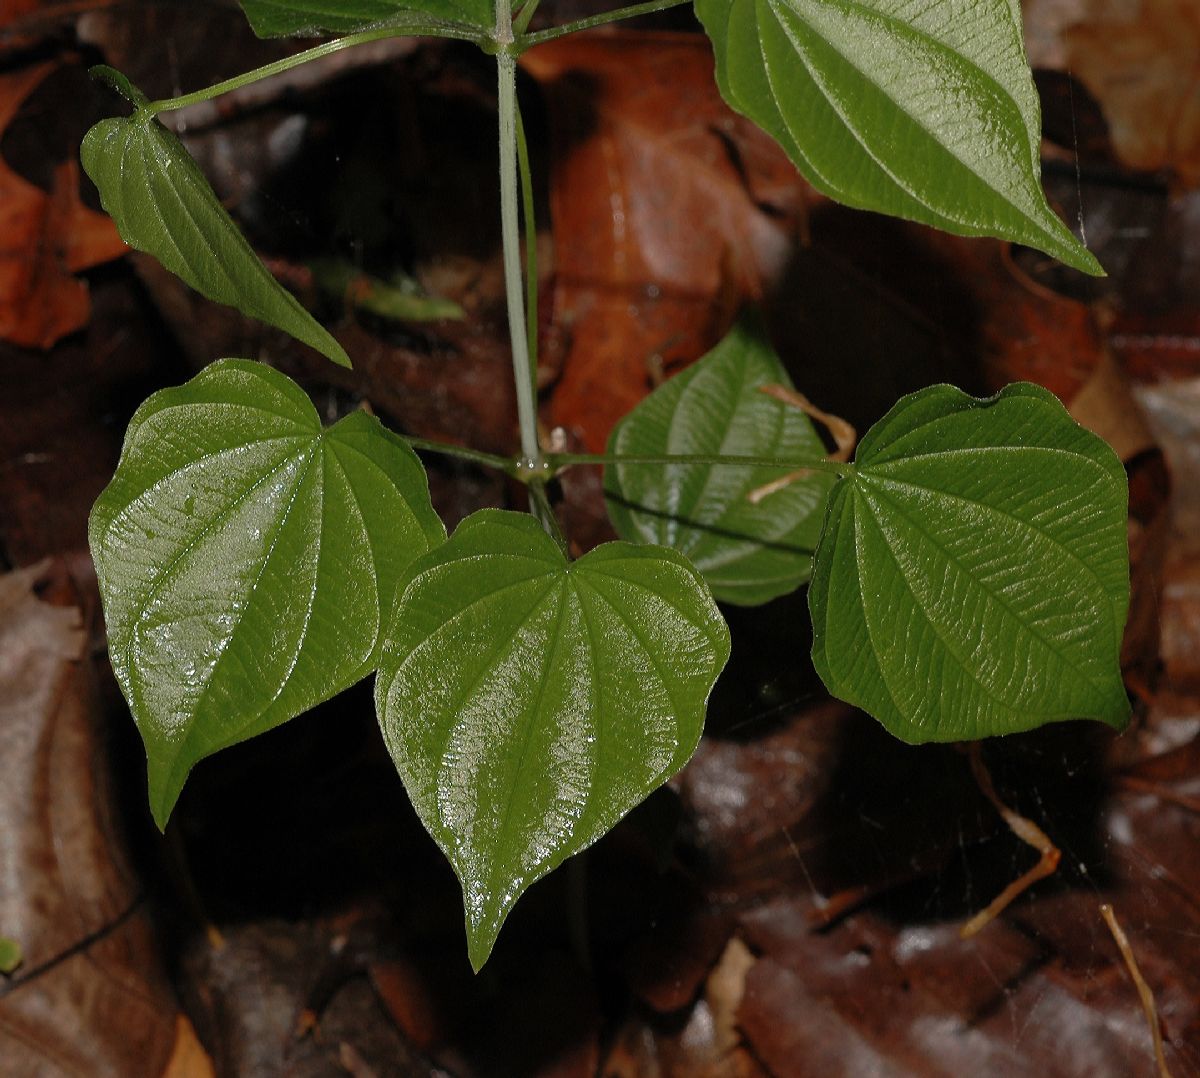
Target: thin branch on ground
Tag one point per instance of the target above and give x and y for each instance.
(1027, 831)
(1143, 989)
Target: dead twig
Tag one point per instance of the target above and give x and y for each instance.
(844, 436)
(1027, 831)
(1143, 989)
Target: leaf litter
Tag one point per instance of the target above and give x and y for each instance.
(792, 906)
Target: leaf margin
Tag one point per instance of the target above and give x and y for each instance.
(167, 779)
(769, 114)
(484, 928)
(835, 546)
(164, 160)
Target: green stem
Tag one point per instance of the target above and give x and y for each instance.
(475, 456)
(531, 255)
(424, 27)
(539, 505)
(521, 22)
(558, 461)
(506, 71)
(529, 40)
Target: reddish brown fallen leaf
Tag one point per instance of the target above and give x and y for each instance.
(1044, 23)
(409, 999)
(14, 10)
(874, 997)
(45, 239)
(669, 212)
(25, 22)
(1105, 405)
(1158, 345)
(1142, 63)
(13, 15)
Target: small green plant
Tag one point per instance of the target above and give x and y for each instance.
(969, 570)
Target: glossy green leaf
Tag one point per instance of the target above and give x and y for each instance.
(747, 553)
(973, 575)
(163, 205)
(529, 703)
(275, 18)
(921, 110)
(11, 955)
(248, 560)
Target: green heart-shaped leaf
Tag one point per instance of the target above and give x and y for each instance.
(529, 702)
(276, 18)
(748, 553)
(247, 560)
(973, 575)
(926, 111)
(163, 205)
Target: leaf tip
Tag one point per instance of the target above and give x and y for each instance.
(164, 792)
(482, 933)
(337, 354)
(114, 80)
(1077, 256)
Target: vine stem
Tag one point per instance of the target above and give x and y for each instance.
(531, 255)
(539, 505)
(423, 28)
(505, 39)
(527, 41)
(476, 456)
(525, 15)
(506, 98)
(552, 463)
(557, 461)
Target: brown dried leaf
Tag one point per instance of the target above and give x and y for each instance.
(13, 16)
(45, 239)
(1141, 61)
(669, 212)
(90, 998)
(1105, 405)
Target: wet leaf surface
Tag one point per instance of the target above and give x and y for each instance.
(240, 534)
(530, 702)
(162, 204)
(840, 861)
(749, 551)
(855, 96)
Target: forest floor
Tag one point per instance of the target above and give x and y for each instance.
(792, 903)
